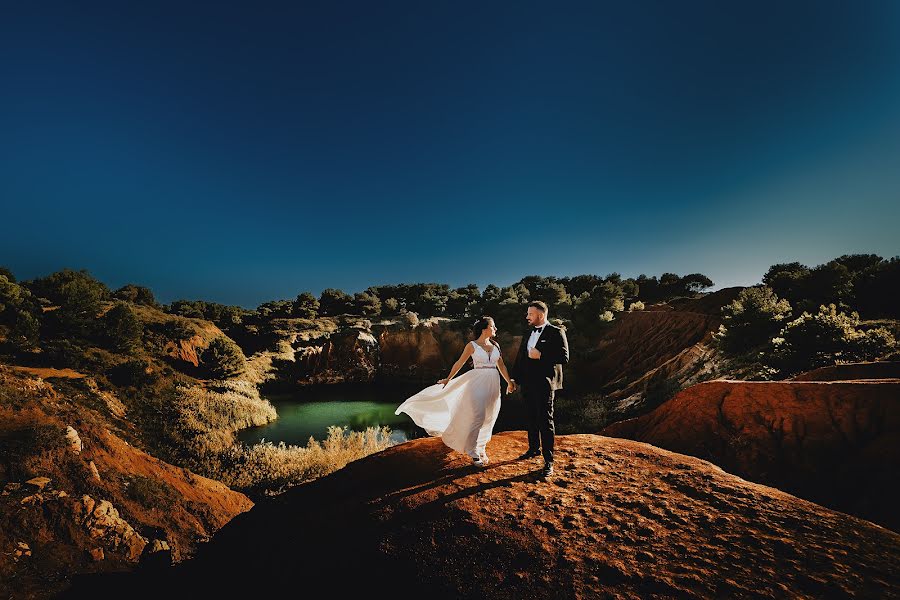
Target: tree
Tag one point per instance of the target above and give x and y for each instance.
(786, 280)
(19, 312)
(823, 338)
(306, 306)
(830, 283)
(122, 328)
(390, 307)
(222, 358)
(79, 298)
(136, 294)
(334, 302)
(695, 283)
(876, 291)
(593, 306)
(752, 319)
(367, 304)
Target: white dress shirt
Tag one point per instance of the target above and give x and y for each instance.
(533, 339)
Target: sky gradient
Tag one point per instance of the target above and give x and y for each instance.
(244, 153)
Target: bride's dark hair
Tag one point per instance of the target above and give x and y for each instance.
(482, 324)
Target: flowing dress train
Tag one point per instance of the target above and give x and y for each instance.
(463, 413)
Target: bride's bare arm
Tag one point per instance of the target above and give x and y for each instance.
(502, 368)
(466, 353)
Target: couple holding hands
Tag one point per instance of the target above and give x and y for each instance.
(462, 411)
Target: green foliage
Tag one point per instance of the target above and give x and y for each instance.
(225, 316)
(864, 282)
(366, 304)
(752, 319)
(222, 358)
(122, 328)
(79, 298)
(276, 309)
(464, 301)
(136, 294)
(19, 312)
(824, 338)
(390, 307)
(334, 302)
(636, 306)
(179, 329)
(136, 373)
(150, 492)
(668, 286)
(592, 307)
(4, 272)
(306, 306)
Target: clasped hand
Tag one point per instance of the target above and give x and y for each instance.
(534, 353)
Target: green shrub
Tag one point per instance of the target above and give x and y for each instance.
(827, 337)
(122, 329)
(150, 493)
(223, 358)
(136, 294)
(752, 319)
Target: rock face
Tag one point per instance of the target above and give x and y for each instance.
(836, 443)
(186, 350)
(622, 519)
(104, 524)
(345, 357)
(422, 353)
(74, 520)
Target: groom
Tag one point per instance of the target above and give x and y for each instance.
(538, 369)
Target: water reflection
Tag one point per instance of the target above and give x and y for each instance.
(310, 411)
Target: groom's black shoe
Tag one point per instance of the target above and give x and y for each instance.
(530, 454)
(548, 470)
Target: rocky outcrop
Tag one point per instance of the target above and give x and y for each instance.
(836, 443)
(94, 510)
(384, 353)
(345, 357)
(425, 352)
(186, 350)
(622, 519)
(104, 524)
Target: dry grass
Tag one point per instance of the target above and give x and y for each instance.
(270, 469)
(209, 416)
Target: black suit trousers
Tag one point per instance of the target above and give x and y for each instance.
(538, 397)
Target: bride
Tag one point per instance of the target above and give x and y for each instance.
(462, 411)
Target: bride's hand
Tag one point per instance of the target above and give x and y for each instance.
(444, 381)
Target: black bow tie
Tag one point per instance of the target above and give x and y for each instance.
(536, 329)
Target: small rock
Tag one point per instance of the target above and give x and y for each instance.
(32, 499)
(644, 555)
(12, 486)
(95, 474)
(74, 440)
(39, 482)
(97, 554)
(61, 494)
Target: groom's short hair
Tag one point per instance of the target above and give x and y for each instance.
(540, 305)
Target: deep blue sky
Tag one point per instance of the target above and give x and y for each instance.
(246, 153)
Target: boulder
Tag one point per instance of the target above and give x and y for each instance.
(73, 439)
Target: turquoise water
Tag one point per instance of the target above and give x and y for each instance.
(309, 412)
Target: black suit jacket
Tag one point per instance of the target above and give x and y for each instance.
(554, 349)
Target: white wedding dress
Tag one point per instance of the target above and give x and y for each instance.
(464, 412)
